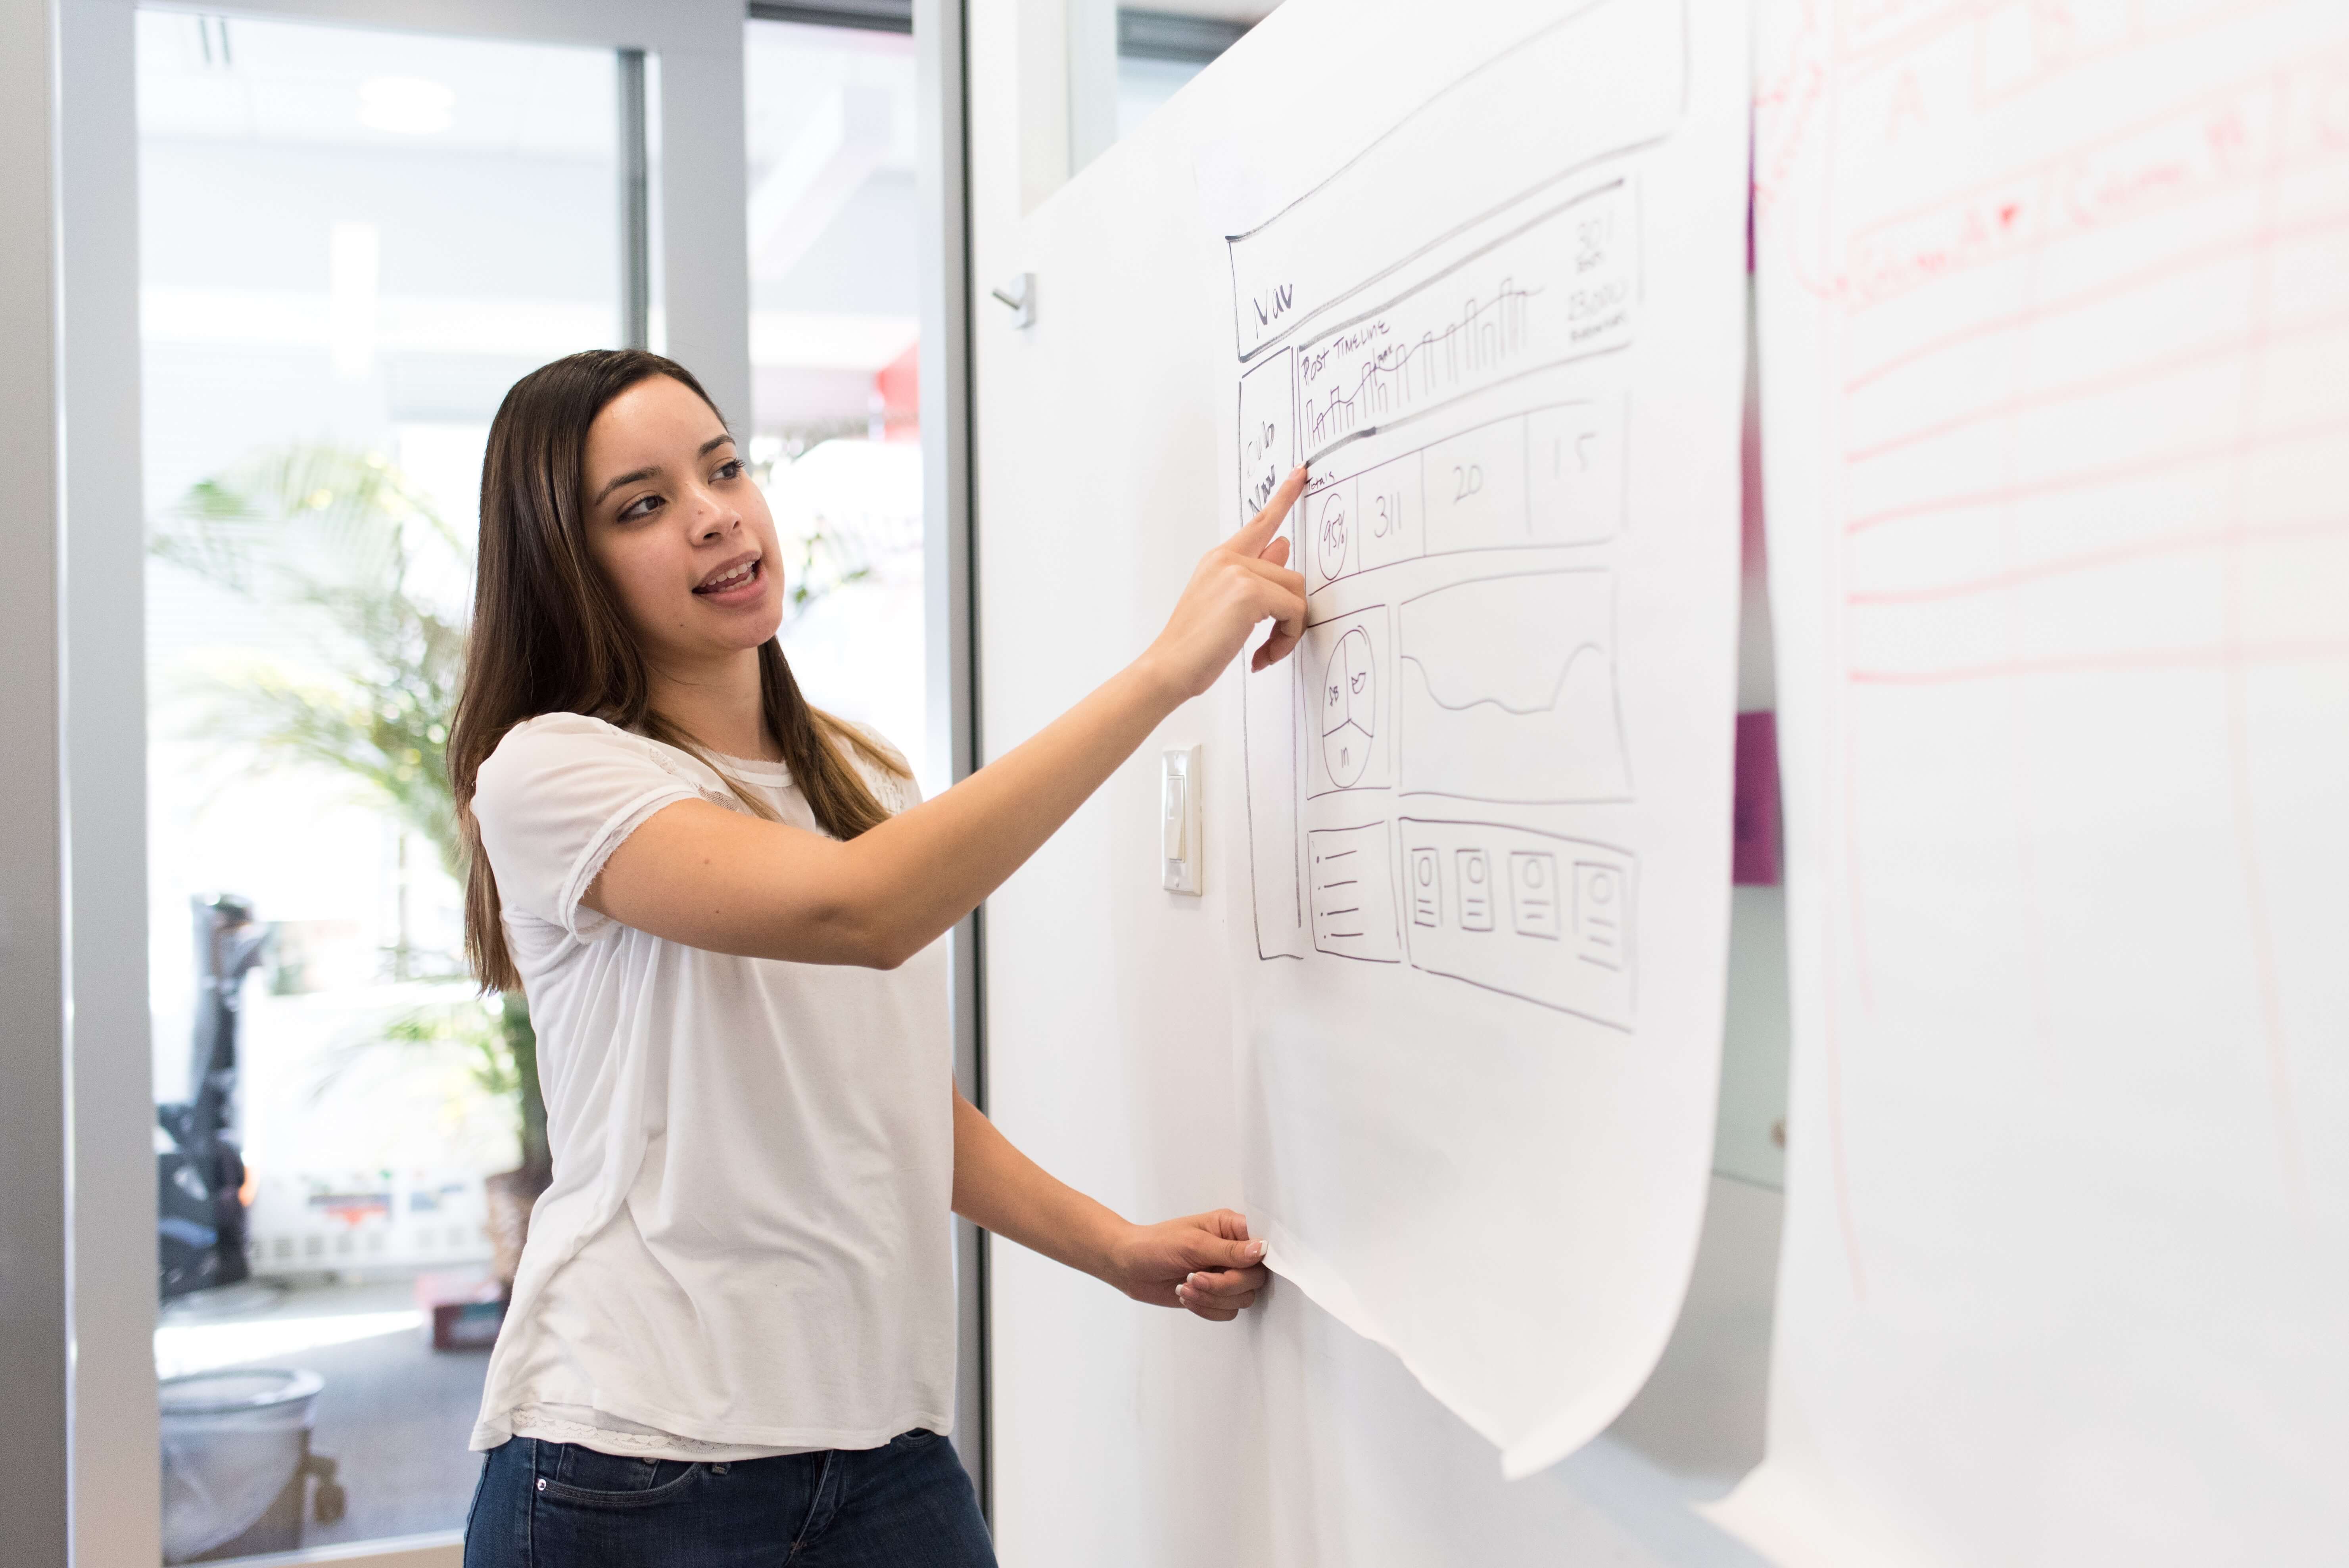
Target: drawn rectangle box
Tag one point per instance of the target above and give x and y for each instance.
(1538, 916)
(1267, 429)
(1272, 733)
(1350, 872)
(1505, 691)
(1472, 888)
(1348, 733)
(1391, 512)
(1574, 472)
(1326, 538)
(1476, 489)
(1534, 894)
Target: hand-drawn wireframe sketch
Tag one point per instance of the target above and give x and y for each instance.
(1343, 235)
(1551, 475)
(1352, 885)
(1331, 549)
(1538, 916)
(1574, 472)
(1350, 705)
(1268, 432)
(1518, 541)
(1507, 690)
(1351, 745)
(1271, 734)
(1561, 286)
(1391, 513)
(2055, 300)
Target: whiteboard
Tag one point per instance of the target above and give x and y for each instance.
(2053, 304)
(1478, 997)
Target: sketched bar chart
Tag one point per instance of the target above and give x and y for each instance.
(1537, 917)
(1561, 286)
(1507, 691)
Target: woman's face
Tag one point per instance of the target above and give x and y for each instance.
(681, 533)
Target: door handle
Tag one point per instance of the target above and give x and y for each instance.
(1020, 294)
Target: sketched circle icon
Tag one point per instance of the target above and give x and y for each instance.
(1330, 536)
(1349, 708)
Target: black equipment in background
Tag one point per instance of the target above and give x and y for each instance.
(199, 1212)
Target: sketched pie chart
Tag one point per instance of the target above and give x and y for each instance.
(1349, 708)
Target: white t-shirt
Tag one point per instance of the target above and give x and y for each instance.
(747, 1246)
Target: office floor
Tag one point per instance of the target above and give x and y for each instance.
(394, 1414)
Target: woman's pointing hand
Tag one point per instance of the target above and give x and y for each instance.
(1242, 581)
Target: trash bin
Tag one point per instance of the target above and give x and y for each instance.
(233, 1442)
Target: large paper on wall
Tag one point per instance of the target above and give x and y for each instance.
(1486, 277)
(2054, 303)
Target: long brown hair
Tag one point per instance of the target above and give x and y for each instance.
(549, 635)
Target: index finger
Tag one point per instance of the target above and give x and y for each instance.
(1252, 538)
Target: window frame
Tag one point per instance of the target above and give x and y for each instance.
(111, 1434)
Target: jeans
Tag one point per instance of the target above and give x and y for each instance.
(558, 1505)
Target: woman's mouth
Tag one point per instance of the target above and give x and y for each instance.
(733, 580)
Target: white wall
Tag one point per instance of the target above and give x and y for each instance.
(1123, 1434)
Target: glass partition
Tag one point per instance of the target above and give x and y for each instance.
(352, 242)
(835, 305)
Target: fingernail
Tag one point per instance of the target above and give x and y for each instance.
(1256, 1248)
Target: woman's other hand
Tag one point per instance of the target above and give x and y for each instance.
(1203, 1262)
(1241, 582)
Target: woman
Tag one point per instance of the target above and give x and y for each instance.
(731, 1338)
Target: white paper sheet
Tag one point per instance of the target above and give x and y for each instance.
(1486, 278)
(2056, 300)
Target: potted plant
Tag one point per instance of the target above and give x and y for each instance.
(339, 540)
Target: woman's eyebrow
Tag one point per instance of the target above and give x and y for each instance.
(708, 447)
(627, 479)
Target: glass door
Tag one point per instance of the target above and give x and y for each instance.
(352, 242)
(835, 303)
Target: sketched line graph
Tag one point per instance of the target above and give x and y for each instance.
(1508, 691)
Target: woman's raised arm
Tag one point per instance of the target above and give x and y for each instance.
(700, 874)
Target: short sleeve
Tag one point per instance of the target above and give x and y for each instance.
(893, 786)
(553, 800)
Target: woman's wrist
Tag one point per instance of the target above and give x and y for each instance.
(1106, 1246)
(1156, 685)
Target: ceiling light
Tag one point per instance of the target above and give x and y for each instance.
(405, 105)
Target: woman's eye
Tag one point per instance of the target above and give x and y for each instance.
(732, 468)
(642, 507)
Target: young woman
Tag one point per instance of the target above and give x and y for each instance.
(731, 1339)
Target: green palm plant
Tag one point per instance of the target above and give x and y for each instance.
(340, 543)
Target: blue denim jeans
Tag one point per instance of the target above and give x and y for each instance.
(557, 1505)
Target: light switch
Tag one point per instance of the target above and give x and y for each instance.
(1178, 820)
(1178, 795)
